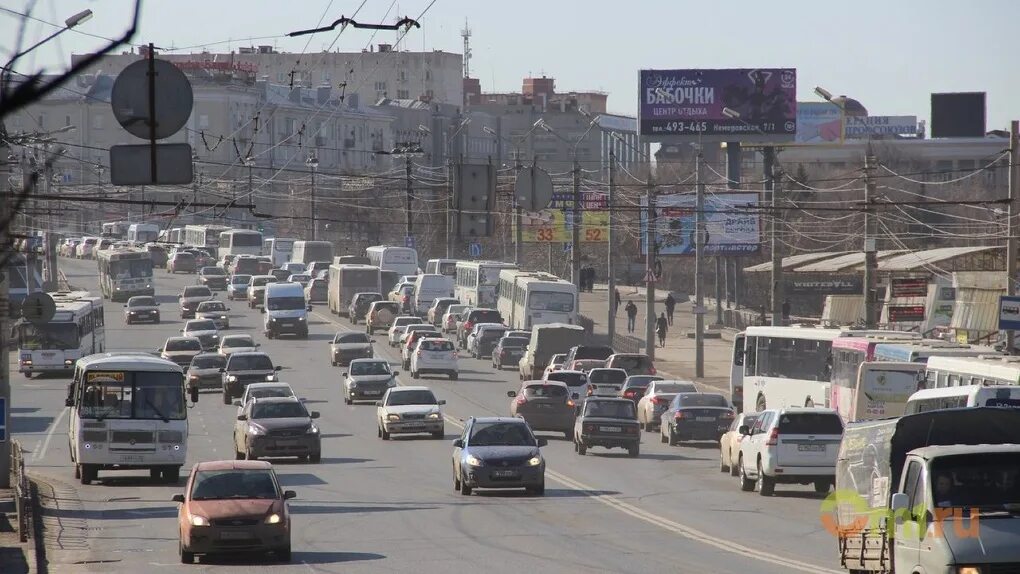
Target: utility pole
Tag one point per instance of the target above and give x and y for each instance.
(449, 207)
(870, 253)
(611, 273)
(769, 165)
(518, 232)
(407, 174)
(314, 221)
(1014, 228)
(651, 221)
(575, 236)
(6, 250)
(699, 266)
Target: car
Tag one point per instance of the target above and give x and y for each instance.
(204, 256)
(508, 351)
(555, 364)
(576, 381)
(729, 443)
(600, 352)
(409, 410)
(633, 363)
(141, 308)
(214, 311)
(518, 333)
(190, 297)
(263, 390)
(257, 289)
(317, 267)
(398, 328)
(280, 274)
(237, 287)
(292, 267)
(451, 317)
(402, 340)
(226, 261)
(367, 379)
(411, 342)
(433, 355)
(380, 315)
(349, 345)
(322, 274)
(158, 255)
(606, 382)
(213, 277)
(180, 350)
(241, 343)
(635, 386)
(205, 331)
(658, 395)
(483, 339)
(695, 416)
(245, 265)
(402, 294)
(438, 308)
(585, 365)
(359, 305)
(277, 427)
(285, 310)
(204, 371)
(546, 405)
(301, 279)
(498, 452)
(317, 291)
(473, 317)
(609, 422)
(233, 506)
(790, 446)
(245, 368)
(182, 262)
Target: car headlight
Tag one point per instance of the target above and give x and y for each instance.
(223, 316)
(433, 416)
(473, 460)
(215, 336)
(270, 378)
(255, 429)
(197, 520)
(354, 384)
(393, 417)
(274, 518)
(232, 379)
(968, 570)
(535, 461)
(300, 318)
(131, 312)
(312, 429)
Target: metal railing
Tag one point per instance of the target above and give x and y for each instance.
(22, 491)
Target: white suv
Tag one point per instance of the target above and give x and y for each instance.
(434, 356)
(790, 446)
(397, 328)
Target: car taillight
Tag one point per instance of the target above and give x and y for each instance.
(521, 400)
(570, 403)
(590, 390)
(468, 325)
(628, 393)
(631, 430)
(727, 415)
(405, 298)
(589, 428)
(773, 438)
(502, 354)
(419, 353)
(652, 369)
(657, 400)
(453, 355)
(679, 415)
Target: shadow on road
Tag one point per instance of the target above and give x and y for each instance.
(347, 509)
(137, 513)
(310, 557)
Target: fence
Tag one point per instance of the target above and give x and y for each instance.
(22, 491)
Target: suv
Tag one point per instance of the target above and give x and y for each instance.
(181, 262)
(190, 297)
(245, 368)
(498, 452)
(508, 351)
(588, 352)
(484, 338)
(359, 305)
(349, 345)
(472, 318)
(790, 446)
(380, 315)
(546, 405)
(633, 363)
(277, 426)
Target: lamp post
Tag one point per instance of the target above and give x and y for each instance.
(313, 165)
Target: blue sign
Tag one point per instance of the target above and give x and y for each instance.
(3, 419)
(475, 249)
(566, 248)
(1009, 313)
(409, 241)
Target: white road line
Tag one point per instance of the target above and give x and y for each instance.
(41, 452)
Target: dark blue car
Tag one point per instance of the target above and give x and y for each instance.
(696, 416)
(498, 452)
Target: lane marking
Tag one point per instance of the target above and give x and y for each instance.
(40, 453)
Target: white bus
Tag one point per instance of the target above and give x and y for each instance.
(75, 331)
(143, 232)
(23, 277)
(279, 248)
(476, 282)
(982, 370)
(115, 229)
(128, 411)
(240, 242)
(526, 299)
(308, 251)
(446, 267)
(965, 396)
(347, 280)
(402, 260)
(124, 273)
(174, 235)
(203, 235)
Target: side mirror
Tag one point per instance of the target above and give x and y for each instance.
(441, 401)
(396, 373)
(228, 308)
(258, 345)
(222, 370)
(182, 330)
(68, 402)
(178, 498)
(194, 394)
(242, 417)
(157, 303)
(899, 505)
(277, 368)
(314, 414)
(511, 394)
(343, 374)
(262, 310)
(744, 430)
(288, 494)
(125, 305)
(542, 442)
(458, 443)
(378, 403)
(309, 307)
(237, 403)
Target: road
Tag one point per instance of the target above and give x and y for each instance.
(374, 506)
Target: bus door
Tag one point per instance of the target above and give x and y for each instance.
(737, 372)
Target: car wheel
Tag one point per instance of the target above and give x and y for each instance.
(723, 467)
(347, 399)
(746, 484)
(283, 554)
(154, 473)
(582, 448)
(186, 557)
(77, 471)
(673, 439)
(226, 397)
(315, 458)
(439, 434)
(238, 455)
(634, 451)
(765, 486)
(385, 434)
(453, 376)
(88, 473)
(464, 488)
(734, 471)
(537, 490)
(569, 435)
(456, 481)
(172, 474)
(822, 486)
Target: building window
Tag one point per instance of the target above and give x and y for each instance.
(281, 77)
(380, 86)
(403, 94)
(403, 75)
(289, 126)
(41, 120)
(67, 120)
(428, 75)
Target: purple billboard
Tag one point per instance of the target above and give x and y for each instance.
(687, 105)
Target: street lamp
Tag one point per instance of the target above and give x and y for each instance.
(73, 21)
(313, 164)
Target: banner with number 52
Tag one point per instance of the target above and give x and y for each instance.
(554, 226)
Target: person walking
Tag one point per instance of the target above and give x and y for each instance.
(616, 303)
(670, 306)
(591, 279)
(661, 326)
(786, 311)
(631, 310)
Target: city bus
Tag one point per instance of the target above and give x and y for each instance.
(279, 248)
(76, 330)
(239, 242)
(143, 232)
(847, 355)
(402, 260)
(174, 235)
(921, 351)
(476, 281)
(124, 273)
(23, 278)
(203, 235)
(965, 396)
(982, 370)
(347, 280)
(128, 411)
(309, 251)
(115, 229)
(446, 267)
(526, 299)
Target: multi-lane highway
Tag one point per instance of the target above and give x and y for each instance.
(374, 506)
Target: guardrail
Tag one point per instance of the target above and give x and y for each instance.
(22, 491)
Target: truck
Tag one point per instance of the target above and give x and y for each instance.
(911, 491)
(546, 341)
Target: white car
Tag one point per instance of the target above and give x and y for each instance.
(576, 381)
(793, 445)
(367, 379)
(656, 400)
(409, 410)
(237, 344)
(729, 444)
(434, 356)
(180, 350)
(294, 267)
(261, 390)
(448, 323)
(205, 331)
(397, 328)
(215, 311)
(555, 363)
(402, 340)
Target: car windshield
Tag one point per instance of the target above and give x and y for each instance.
(514, 342)
(208, 362)
(211, 306)
(362, 368)
(142, 302)
(702, 400)
(610, 409)
(571, 379)
(607, 376)
(414, 397)
(264, 392)
(285, 303)
(249, 363)
(492, 334)
(545, 391)
(240, 279)
(300, 277)
(489, 316)
(436, 345)
(990, 481)
(350, 338)
(183, 345)
(197, 291)
(213, 271)
(204, 325)
(501, 433)
(238, 341)
(234, 483)
(283, 410)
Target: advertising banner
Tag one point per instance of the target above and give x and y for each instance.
(860, 127)
(909, 287)
(555, 224)
(687, 105)
(732, 224)
(819, 122)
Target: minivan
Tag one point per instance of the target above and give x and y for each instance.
(429, 287)
(286, 310)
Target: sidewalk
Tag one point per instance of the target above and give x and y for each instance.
(676, 360)
(16, 557)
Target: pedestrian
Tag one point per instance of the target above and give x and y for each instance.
(661, 326)
(670, 306)
(592, 275)
(786, 311)
(616, 303)
(761, 315)
(631, 310)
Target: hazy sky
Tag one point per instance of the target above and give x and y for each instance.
(889, 54)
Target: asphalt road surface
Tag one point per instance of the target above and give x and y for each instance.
(374, 506)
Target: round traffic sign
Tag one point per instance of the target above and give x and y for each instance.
(130, 99)
(533, 189)
(38, 308)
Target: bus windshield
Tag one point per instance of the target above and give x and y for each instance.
(133, 395)
(488, 275)
(131, 268)
(551, 301)
(49, 336)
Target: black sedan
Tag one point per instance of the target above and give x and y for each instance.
(508, 351)
(608, 422)
(696, 416)
(213, 277)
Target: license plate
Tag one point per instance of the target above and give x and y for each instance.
(130, 458)
(611, 429)
(704, 419)
(811, 447)
(541, 406)
(504, 473)
(228, 535)
(48, 354)
(414, 425)
(288, 442)
(372, 393)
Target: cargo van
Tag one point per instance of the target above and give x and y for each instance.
(429, 287)
(286, 311)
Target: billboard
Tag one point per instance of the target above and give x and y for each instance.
(678, 106)
(732, 224)
(861, 127)
(960, 115)
(819, 122)
(555, 224)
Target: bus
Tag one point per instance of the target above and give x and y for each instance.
(347, 280)
(115, 229)
(143, 232)
(174, 235)
(475, 282)
(124, 273)
(308, 251)
(446, 267)
(76, 330)
(847, 355)
(128, 410)
(981, 370)
(921, 351)
(351, 260)
(402, 260)
(966, 396)
(24, 278)
(526, 299)
(279, 248)
(203, 235)
(240, 242)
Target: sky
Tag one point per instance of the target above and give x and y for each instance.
(888, 54)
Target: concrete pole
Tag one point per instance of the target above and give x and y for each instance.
(610, 266)
(518, 232)
(768, 164)
(733, 164)
(651, 220)
(6, 250)
(409, 192)
(699, 267)
(870, 253)
(1014, 228)
(575, 235)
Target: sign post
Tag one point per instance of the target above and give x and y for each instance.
(1009, 313)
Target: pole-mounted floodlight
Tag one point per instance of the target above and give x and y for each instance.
(823, 93)
(79, 18)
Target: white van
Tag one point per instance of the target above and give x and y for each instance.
(964, 396)
(285, 310)
(428, 287)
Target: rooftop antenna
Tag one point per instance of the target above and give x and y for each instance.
(466, 34)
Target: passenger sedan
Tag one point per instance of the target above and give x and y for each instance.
(233, 506)
(546, 405)
(696, 416)
(277, 426)
(301, 279)
(405, 410)
(434, 355)
(213, 277)
(555, 364)
(606, 382)
(214, 311)
(498, 452)
(607, 422)
(509, 351)
(237, 344)
(237, 288)
(349, 345)
(450, 318)
(656, 400)
(729, 444)
(204, 371)
(317, 291)
(180, 350)
(190, 297)
(141, 308)
(261, 391)
(635, 386)
(205, 331)
(367, 379)
(398, 328)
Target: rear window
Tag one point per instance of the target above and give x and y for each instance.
(208, 362)
(197, 291)
(676, 388)
(389, 306)
(545, 391)
(240, 279)
(514, 342)
(213, 271)
(702, 400)
(571, 379)
(489, 316)
(607, 377)
(588, 352)
(437, 345)
(632, 362)
(810, 423)
(184, 256)
(492, 334)
(610, 409)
